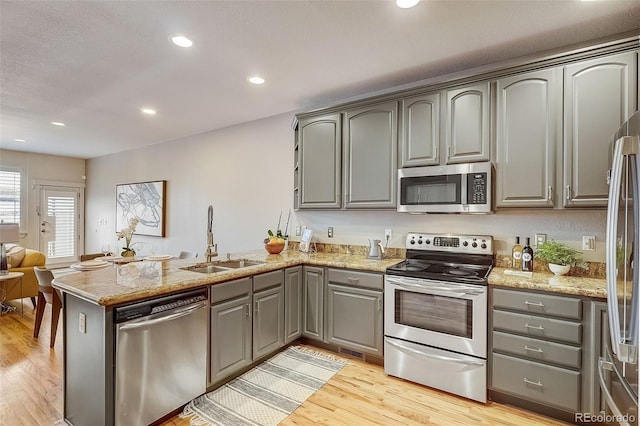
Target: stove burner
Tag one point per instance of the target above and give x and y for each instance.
(414, 268)
(461, 272)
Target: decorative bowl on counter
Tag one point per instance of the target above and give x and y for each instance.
(274, 247)
(559, 269)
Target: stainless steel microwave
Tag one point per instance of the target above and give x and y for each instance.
(455, 188)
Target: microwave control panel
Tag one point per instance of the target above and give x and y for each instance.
(477, 188)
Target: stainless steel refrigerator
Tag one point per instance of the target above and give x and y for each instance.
(618, 369)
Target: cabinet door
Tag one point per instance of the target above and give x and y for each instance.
(527, 138)
(313, 302)
(320, 153)
(420, 141)
(370, 156)
(292, 304)
(467, 124)
(599, 95)
(230, 337)
(354, 318)
(268, 321)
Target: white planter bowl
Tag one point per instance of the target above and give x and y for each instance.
(559, 269)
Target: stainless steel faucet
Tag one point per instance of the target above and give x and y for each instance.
(212, 249)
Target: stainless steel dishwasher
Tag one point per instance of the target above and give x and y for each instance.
(161, 356)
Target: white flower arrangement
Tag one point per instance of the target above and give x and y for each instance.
(127, 234)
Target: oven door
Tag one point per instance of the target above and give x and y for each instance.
(445, 315)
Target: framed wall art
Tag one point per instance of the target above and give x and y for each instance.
(144, 200)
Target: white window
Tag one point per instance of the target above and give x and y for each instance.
(12, 199)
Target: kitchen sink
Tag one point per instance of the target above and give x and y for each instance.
(237, 263)
(221, 266)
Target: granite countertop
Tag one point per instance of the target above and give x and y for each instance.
(134, 281)
(546, 281)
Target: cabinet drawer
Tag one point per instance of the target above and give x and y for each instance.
(535, 303)
(230, 290)
(539, 327)
(540, 350)
(537, 382)
(353, 278)
(268, 280)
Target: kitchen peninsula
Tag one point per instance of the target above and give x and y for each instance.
(92, 300)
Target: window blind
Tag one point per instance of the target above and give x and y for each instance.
(10, 200)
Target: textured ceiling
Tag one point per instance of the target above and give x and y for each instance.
(94, 64)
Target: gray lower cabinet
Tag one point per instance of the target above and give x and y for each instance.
(292, 303)
(313, 302)
(319, 146)
(599, 95)
(370, 156)
(467, 123)
(537, 350)
(353, 310)
(528, 136)
(231, 333)
(268, 313)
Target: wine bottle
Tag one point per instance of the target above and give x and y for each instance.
(527, 256)
(516, 255)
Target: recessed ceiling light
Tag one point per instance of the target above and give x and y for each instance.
(148, 111)
(57, 123)
(256, 79)
(406, 4)
(19, 140)
(182, 41)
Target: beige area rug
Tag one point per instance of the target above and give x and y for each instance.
(268, 393)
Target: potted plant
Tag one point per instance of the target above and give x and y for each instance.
(559, 256)
(275, 242)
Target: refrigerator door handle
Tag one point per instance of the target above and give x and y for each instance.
(606, 365)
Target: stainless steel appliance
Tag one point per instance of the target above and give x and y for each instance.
(618, 370)
(161, 356)
(435, 313)
(456, 188)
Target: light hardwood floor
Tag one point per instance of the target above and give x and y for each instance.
(360, 394)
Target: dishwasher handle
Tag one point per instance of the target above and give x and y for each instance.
(164, 317)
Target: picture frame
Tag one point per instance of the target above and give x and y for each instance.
(144, 200)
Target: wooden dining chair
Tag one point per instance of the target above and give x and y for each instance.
(47, 294)
(187, 255)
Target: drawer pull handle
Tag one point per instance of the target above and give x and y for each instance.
(529, 382)
(353, 280)
(527, 348)
(535, 327)
(538, 304)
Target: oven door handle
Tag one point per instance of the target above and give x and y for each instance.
(412, 351)
(440, 290)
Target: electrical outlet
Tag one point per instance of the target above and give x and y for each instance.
(588, 242)
(298, 230)
(388, 234)
(540, 239)
(330, 232)
(82, 323)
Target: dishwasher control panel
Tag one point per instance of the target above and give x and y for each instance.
(162, 304)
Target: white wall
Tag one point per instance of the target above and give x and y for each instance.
(40, 168)
(245, 172)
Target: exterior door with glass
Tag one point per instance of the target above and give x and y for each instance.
(60, 223)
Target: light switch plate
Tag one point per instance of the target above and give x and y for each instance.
(540, 239)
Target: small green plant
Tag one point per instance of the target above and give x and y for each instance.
(559, 254)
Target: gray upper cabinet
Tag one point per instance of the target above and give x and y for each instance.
(292, 303)
(320, 153)
(599, 95)
(420, 140)
(370, 156)
(313, 302)
(467, 130)
(528, 135)
(268, 314)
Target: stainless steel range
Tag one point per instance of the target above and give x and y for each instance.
(435, 313)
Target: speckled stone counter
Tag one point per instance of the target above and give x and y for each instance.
(120, 284)
(546, 281)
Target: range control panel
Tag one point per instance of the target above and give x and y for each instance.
(477, 244)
